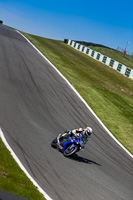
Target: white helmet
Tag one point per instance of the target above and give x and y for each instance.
(88, 130)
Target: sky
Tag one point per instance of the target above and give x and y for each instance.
(99, 21)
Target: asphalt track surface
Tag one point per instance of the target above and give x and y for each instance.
(35, 105)
(8, 196)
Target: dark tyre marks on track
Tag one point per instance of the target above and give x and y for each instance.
(35, 105)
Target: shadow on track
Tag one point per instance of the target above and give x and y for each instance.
(77, 158)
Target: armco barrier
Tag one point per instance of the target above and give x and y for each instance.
(126, 71)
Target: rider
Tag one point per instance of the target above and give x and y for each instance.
(85, 134)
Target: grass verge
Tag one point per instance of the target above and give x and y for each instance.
(106, 91)
(13, 179)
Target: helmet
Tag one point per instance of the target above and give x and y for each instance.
(88, 130)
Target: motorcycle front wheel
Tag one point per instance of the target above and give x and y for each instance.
(54, 143)
(70, 150)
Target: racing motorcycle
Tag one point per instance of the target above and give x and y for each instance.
(69, 145)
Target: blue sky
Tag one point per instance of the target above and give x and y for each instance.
(105, 22)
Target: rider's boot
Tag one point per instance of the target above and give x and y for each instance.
(58, 142)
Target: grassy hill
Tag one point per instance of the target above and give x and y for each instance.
(106, 91)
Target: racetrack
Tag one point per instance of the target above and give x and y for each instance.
(35, 105)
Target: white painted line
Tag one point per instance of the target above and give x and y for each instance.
(22, 167)
(80, 98)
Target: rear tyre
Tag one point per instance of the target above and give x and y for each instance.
(54, 143)
(70, 151)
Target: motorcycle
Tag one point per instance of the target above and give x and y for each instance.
(68, 145)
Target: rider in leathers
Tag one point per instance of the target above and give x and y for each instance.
(85, 135)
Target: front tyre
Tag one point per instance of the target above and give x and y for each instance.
(70, 150)
(54, 143)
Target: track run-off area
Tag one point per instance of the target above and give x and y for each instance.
(36, 104)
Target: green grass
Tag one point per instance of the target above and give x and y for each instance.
(106, 91)
(13, 179)
(116, 55)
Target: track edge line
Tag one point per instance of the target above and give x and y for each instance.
(22, 167)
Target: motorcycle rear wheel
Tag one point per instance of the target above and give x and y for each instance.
(69, 152)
